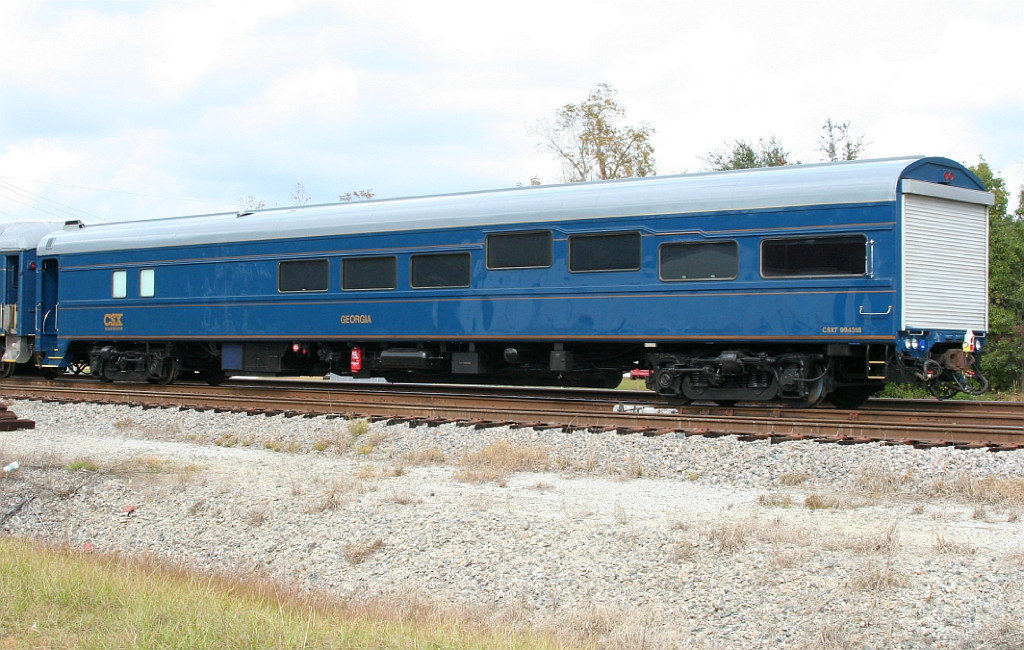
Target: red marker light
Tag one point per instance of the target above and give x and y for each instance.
(296, 347)
(948, 176)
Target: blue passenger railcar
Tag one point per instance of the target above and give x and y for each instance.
(18, 242)
(785, 283)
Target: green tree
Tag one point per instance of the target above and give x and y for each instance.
(1004, 359)
(837, 143)
(745, 155)
(591, 145)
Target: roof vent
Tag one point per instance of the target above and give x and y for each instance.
(73, 224)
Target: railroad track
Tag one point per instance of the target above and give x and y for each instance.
(993, 425)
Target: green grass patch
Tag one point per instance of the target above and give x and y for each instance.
(56, 597)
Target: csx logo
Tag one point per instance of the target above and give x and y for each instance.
(112, 321)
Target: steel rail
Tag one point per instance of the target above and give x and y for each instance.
(623, 411)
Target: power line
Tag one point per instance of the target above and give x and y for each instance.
(24, 197)
(97, 189)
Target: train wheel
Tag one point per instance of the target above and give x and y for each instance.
(168, 373)
(815, 392)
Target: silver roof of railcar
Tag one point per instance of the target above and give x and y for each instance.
(24, 235)
(830, 183)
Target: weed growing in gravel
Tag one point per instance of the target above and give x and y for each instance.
(321, 444)
(499, 459)
(256, 516)
(876, 575)
(124, 424)
(1001, 490)
(634, 466)
(358, 427)
(369, 443)
(692, 475)
(884, 541)
(821, 502)
(730, 536)
(83, 465)
(952, 547)
(793, 479)
(405, 497)
(882, 481)
(428, 456)
(359, 551)
(226, 440)
(775, 500)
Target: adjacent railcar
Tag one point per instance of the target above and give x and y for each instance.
(18, 272)
(790, 283)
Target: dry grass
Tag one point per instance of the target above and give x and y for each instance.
(226, 440)
(731, 536)
(359, 551)
(366, 445)
(775, 500)
(337, 493)
(428, 456)
(498, 460)
(882, 481)
(992, 490)
(793, 479)
(885, 540)
(821, 502)
(952, 547)
(877, 574)
(405, 497)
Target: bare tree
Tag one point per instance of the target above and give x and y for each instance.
(299, 195)
(357, 195)
(252, 203)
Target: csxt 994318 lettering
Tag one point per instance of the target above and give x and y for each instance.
(790, 284)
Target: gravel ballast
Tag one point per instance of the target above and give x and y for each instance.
(626, 541)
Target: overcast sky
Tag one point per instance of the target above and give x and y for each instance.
(122, 110)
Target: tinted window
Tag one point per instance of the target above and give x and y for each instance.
(814, 256)
(368, 273)
(615, 252)
(519, 250)
(440, 270)
(302, 275)
(699, 261)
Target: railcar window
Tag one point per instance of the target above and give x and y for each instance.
(119, 282)
(814, 256)
(611, 252)
(699, 261)
(440, 270)
(358, 273)
(147, 283)
(302, 275)
(519, 250)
